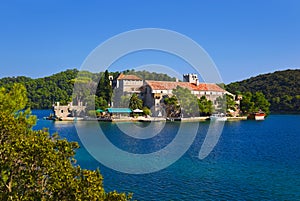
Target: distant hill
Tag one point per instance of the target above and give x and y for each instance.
(43, 92)
(281, 88)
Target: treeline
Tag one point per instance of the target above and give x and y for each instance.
(146, 75)
(281, 88)
(43, 92)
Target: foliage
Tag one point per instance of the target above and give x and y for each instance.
(172, 106)
(37, 166)
(43, 92)
(92, 113)
(104, 89)
(83, 90)
(231, 105)
(135, 102)
(124, 102)
(206, 107)
(146, 111)
(226, 103)
(280, 88)
(146, 75)
(254, 103)
(100, 103)
(187, 101)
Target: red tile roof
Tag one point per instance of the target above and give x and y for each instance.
(163, 85)
(128, 77)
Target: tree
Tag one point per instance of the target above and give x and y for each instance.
(135, 102)
(254, 103)
(260, 102)
(231, 105)
(35, 165)
(124, 102)
(83, 89)
(279, 88)
(247, 105)
(226, 103)
(104, 88)
(43, 92)
(206, 107)
(172, 106)
(146, 111)
(100, 103)
(187, 101)
(146, 75)
(108, 88)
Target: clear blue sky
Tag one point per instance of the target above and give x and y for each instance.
(244, 38)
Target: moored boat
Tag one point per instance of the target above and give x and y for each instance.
(257, 115)
(218, 117)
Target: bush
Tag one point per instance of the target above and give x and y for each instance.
(37, 166)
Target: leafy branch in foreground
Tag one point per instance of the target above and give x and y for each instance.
(37, 166)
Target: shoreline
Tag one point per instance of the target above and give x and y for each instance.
(147, 119)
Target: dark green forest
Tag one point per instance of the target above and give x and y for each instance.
(281, 88)
(44, 92)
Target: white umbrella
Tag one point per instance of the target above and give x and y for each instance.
(137, 110)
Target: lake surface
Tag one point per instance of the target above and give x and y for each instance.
(252, 160)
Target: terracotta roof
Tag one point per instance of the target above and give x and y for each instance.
(128, 77)
(163, 85)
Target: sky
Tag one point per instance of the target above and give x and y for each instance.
(243, 38)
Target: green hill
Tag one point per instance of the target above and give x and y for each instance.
(281, 88)
(42, 92)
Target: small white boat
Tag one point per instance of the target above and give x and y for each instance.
(218, 117)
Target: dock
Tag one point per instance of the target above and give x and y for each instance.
(237, 118)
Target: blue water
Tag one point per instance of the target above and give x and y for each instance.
(252, 161)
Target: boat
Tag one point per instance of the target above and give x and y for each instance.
(218, 117)
(173, 119)
(50, 117)
(257, 115)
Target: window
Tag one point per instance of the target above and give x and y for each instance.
(62, 111)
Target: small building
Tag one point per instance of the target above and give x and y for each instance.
(68, 111)
(126, 85)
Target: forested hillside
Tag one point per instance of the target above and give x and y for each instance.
(281, 88)
(43, 92)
